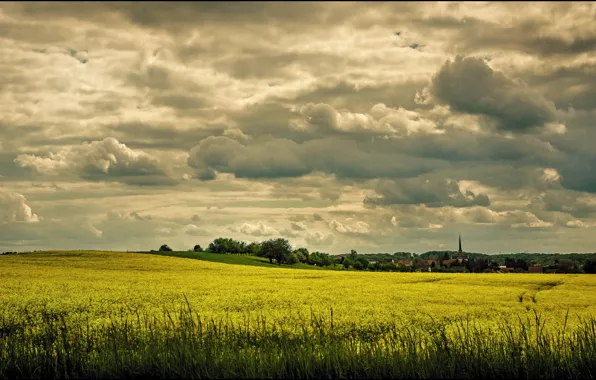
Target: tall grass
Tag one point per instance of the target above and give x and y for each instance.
(183, 344)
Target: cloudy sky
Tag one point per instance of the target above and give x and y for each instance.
(377, 127)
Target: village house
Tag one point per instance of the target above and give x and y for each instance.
(536, 268)
(504, 269)
(449, 262)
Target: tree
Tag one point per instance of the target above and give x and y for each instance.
(358, 265)
(254, 249)
(353, 254)
(363, 261)
(198, 248)
(315, 259)
(347, 262)
(302, 252)
(292, 259)
(299, 256)
(276, 249)
(227, 245)
(590, 266)
(165, 248)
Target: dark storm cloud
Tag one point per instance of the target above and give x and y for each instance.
(563, 201)
(430, 192)
(568, 85)
(469, 85)
(579, 173)
(464, 146)
(280, 158)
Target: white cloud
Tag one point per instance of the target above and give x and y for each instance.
(382, 121)
(191, 229)
(91, 228)
(318, 238)
(95, 160)
(259, 229)
(13, 208)
(576, 224)
(359, 227)
(550, 175)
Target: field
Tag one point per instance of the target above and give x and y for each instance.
(127, 305)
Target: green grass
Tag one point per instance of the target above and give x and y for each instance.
(182, 344)
(233, 259)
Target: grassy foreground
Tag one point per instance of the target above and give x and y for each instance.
(106, 315)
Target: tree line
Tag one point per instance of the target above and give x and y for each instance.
(280, 251)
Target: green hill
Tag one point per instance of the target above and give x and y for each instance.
(231, 259)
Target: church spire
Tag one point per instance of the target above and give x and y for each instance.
(459, 251)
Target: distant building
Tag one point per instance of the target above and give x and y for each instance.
(504, 269)
(460, 259)
(429, 262)
(449, 262)
(536, 268)
(402, 262)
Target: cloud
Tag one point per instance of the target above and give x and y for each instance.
(382, 121)
(317, 217)
(470, 85)
(195, 218)
(356, 228)
(94, 231)
(298, 226)
(13, 208)
(525, 219)
(236, 134)
(430, 192)
(258, 229)
(191, 229)
(282, 158)
(100, 160)
(133, 215)
(318, 238)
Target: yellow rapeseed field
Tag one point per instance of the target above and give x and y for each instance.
(100, 284)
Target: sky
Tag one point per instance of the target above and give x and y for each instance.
(379, 127)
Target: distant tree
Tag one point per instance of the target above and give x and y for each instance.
(590, 266)
(347, 262)
(302, 252)
(363, 261)
(165, 248)
(326, 260)
(276, 249)
(565, 266)
(316, 258)
(227, 245)
(254, 249)
(358, 265)
(198, 248)
(299, 256)
(353, 255)
(292, 259)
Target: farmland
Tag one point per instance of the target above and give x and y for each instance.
(88, 290)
